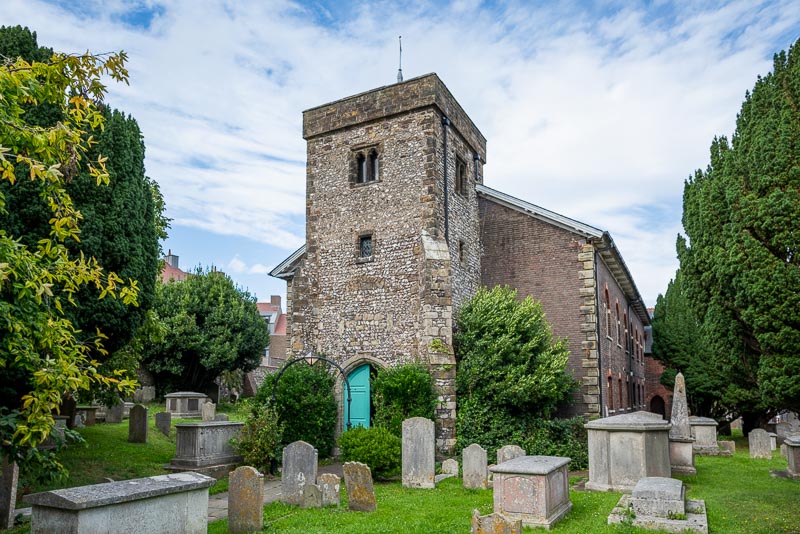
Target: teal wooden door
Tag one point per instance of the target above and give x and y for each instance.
(359, 390)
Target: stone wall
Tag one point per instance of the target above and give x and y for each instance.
(555, 266)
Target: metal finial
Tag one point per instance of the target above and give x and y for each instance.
(400, 69)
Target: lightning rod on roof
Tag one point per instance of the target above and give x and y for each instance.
(400, 64)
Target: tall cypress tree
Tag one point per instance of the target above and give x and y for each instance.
(122, 222)
(741, 263)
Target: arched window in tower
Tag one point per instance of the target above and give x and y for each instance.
(461, 177)
(361, 168)
(372, 172)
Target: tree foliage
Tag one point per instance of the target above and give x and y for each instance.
(509, 367)
(678, 343)
(402, 392)
(741, 262)
(204, 325)
(122, 222)
(42, 354)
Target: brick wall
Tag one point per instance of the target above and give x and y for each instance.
(543, 260)
(654, 388)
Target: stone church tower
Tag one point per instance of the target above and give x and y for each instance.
(392, 235)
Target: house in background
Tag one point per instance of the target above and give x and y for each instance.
(401, 231)
(275, 353)
(171, 271)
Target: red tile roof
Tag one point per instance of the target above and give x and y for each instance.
(267, 307)
(172, 273)
(280, 325)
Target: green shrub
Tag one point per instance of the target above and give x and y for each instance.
(305, 404)
(477, 424)
(402, 392)
(559, 437)
(376, 447)
(261, 437)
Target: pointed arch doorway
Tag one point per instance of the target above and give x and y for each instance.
(360, 405)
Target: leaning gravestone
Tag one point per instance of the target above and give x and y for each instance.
(245, 500)
(299, 469)
(509, 452)
(358, 483)
(137, 425)
(114, 414)
(164, 422)
(476, 470)
(8, 493)
(759, 444)
(221, 417)
(418, 453)
(329, 484)
(208, 411)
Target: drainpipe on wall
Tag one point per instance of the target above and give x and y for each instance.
(445, 124)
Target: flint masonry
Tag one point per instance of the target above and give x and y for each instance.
(400, 231)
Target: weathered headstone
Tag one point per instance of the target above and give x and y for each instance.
(208, 411)
(792, 444)
(728, 446)
(164, 422)
(509, 452)
(476, 469)
(114, 413)
(137, 425)
(450, 467)
(144, 394)
(358, 483)
(221, 417)
(8, 493)
(299, 469)
(329, 484)
(78, 420)
(681, 442)
(494, 524)
(312, 496)
(659, 503)
(773, 440)
(418, 453)
(245, 500)
(759, 444)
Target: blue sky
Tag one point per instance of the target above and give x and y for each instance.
(596, 110)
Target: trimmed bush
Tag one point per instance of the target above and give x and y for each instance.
(559, 437)
(402, 392)
(305, 404)
(376, 447)
(260, 438)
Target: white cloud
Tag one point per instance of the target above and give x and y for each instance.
(599, 115)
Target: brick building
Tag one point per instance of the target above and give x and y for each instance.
(392, 251)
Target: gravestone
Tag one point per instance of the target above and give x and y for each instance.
(137, 425)
(164, 422)
(759, 444)
(245, 500)
(727, 447)
(329, 484)
(8, 493)
(773, 440)
(476, 470)
(509, 452)
(624, 448)
(206, 447)
(89, 414)
(114, 413)
(681, 442)
(450, 467)
(358, 483)
(208, 411)
(312, 496)
(418, 453)
(659, 503)
(704, 432)
(221, 417)
(184, 404)
(494, 524)
(534, 489)
(144, 394)
(78, 420)
(792, 444)
(299, 469)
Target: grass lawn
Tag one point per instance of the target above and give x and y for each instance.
(741, 496)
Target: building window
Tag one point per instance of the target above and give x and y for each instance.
(462, 252)
(619, 339)
(367, 165)
(620, 392)
(608, 314)
(610, 393)
(461, 177)
(365, 246)
(625, 327)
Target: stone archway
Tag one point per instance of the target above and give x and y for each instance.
(658, 406)
(348, 367)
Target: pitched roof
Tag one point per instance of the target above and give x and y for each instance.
(172, 273)
(287, 267)
(267, 307)
(280, 326)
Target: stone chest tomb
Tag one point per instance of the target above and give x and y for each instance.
(185, 404)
